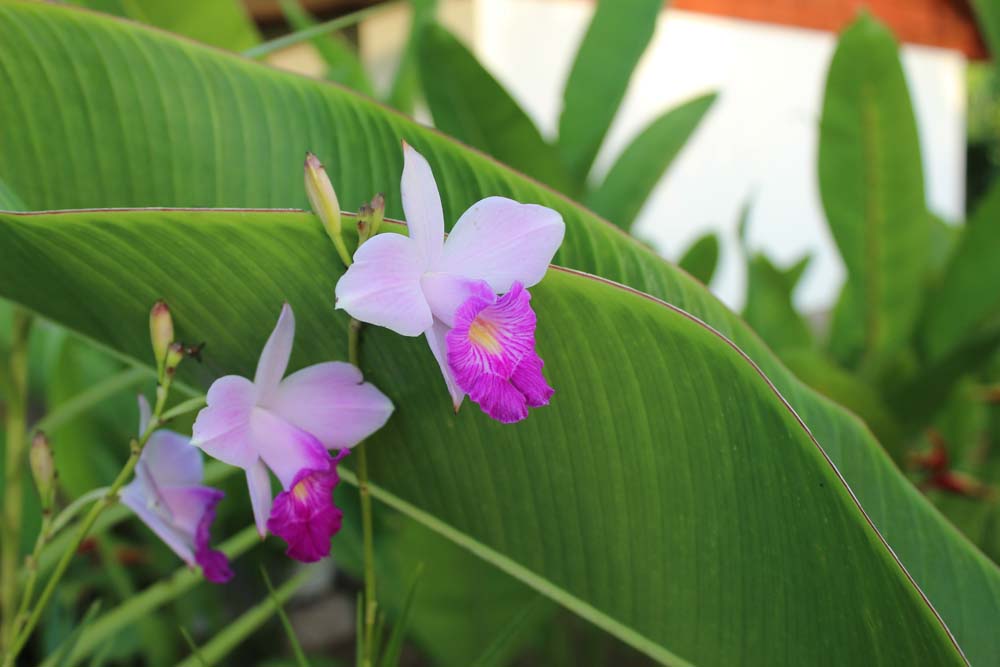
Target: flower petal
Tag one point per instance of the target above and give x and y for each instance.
(285, 448)
(188, 504)
(305, 516)
(222, 427)
(382, 286)
(274, 357)
(528, 379)
(491, 335)
(132, 496)
(259, 485)
(446, 292)
(499, 399)
(333, 403)
(422, 205)
(145, 414)
(171, 460)
(436, 339)
(192, 509)
(502, 241)
(493, 339)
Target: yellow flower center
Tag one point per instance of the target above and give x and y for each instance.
(300, 491)
(484, 334)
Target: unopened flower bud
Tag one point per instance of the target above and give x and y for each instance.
(324, 203)
(370, 217)
(161, 333)
(43, 469)
(377, 213)
(175, 353)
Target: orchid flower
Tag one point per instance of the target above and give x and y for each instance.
(447, 290)
(287, 426)
(168, 495)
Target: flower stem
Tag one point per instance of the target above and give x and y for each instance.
(371, 604)
(16, 448)
(109, 498)
(32, 564)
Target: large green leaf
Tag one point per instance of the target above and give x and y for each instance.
(701, 258)
(872, 187)
(620, 196)
(184, 125)
(966, 300)
(342, 63)
(988, 13)
(639, 494)
(223, 23)
(469, 104)
(617, 36)
(769, 308)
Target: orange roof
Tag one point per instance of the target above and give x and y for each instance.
(945, 23)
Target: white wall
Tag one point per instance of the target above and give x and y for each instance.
(759, 139)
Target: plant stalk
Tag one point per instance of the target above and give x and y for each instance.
(104, 502)
(16, 450)
(371, 604)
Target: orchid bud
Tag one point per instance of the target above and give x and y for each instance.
(175, 353)
(324, 203)
(370, 217)
(364, 223)
(161, 333)
(43, 469)
(377, 213)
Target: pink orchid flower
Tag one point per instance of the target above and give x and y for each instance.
(287, 426)
(168, 495)
(447, 290)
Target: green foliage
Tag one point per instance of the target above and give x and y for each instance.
(342, 63)
(988, 13)
(872, 187)
(626, 402)
(468, 103)
(639, 168)
(964, 306)
(647, 478)
(701, 259)
(406, 84)
(616, 38)
(223, 23)
(769, 308)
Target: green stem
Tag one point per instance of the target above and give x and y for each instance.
(86, 400)
(32, 566)
(190, 405)
(75, 507)
(336, 24)
(105, 501)
(118, 620)
(16, 448)
(371, 604)
(236, 632)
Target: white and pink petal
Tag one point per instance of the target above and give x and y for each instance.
(382, 286)
(274, 357)
(332, 402)
(422, 205)
(502, 242)
(222, 428)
